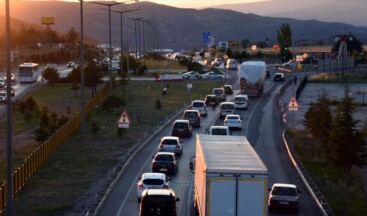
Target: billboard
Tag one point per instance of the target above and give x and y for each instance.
(47, 20)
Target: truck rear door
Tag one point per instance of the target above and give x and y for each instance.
(252, 196)
(221, 196)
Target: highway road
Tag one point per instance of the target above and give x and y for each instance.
(262, 127)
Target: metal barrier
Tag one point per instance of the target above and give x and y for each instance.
(44, 150)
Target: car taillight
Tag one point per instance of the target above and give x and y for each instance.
(154, 165)
(225, 121)
(171, 165)
(239, 121)
(177, 146)
(141, 186)
(165, 187)
(160, 146)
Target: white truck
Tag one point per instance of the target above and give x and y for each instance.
(251, 75)
(230, 178)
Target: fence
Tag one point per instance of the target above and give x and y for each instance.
(43, 151)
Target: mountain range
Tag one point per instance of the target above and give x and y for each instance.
(177, 28)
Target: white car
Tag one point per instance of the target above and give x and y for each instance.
(200, 106)
(191, 75)
(284, 196)
(171, 144)
(152, 181)
(241, 101)
(12, 78)
(70, 64)
(289, 64)
(233, 121)
(219, 130)
(213, 75)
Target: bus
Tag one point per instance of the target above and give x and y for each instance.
(28, 72)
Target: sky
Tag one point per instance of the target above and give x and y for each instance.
(198, 3)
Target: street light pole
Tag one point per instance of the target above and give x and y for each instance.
(82, 70)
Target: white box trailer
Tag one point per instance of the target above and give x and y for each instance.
(251, 75)
(230, 178)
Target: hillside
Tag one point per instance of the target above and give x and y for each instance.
(178, 28)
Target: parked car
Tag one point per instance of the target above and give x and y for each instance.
(284, 196)
(219, 93)
(70, 64)
(212, 75)
(171, 144)
(2, 97)
(151, 181)
(289, 64)
(233, 121)
(193, 116)
(228, 90)
(165, 162)
(182, 128)
(241, 101)
(191, 75)
(227, 108)
(279, 77)
(200, 106)
(219, 130)
(158, 202)
(12, 91)
(211, 100)
(231, 64)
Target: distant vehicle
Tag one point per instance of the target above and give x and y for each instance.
(284, 196)
(219, 130)
(193, 116)
(213, 75)
(150, 181)
(219, 93)
(2, 83)
(181, 128)
(200, 106)
(3, 97)
(211, 100)
(12, 91)
(279, 77)
(241, 101)
(165, 162)
(158, 202)
(229, 177)
(228, 90)
(192, 75)
(233, 121)
(231, 64)
(252, 75)
(12, 77)
(28, 72)
(70, 64)
(171, 144)
(227, 108)
(115, 68)
(267, 75)
(217, 62)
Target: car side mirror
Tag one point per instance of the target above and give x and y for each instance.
(168, 178)
(177, 199)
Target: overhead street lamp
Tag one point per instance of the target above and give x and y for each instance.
(136, 37)
(109, 5)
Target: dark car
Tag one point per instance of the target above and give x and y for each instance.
(165, 162)
(193, 116)
(279, 77)
(228, 89)
(267, 75)
(211, 100)
(182, 128)
(158, 202)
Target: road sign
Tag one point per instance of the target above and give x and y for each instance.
(285, 118)
(124, 120)
(293, 104)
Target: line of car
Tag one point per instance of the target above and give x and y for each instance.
(3, 87)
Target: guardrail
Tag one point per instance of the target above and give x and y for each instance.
(302, 172)
(36, 159)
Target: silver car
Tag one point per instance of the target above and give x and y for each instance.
(200, 106)
(171, 144)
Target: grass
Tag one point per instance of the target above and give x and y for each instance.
(74, 168)
(342, 190)
(355, 77)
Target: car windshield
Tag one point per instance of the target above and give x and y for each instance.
(218, 91)
(284, 191)
(232, 117)
(180, 125)
(240, 99)
(163, 157)
(198, 104)
(219, 131)
(169, 142)
(227, 106)
(158, 205)
(190, 115)
(153, 181)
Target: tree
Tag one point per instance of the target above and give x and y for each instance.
(75, 86)
(72, 37)
(92, 77)
(245, 43)
(284, 38)
(51, 75)
(347, 146)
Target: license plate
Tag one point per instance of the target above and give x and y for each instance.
(284, 202)
(163, 169)
(180, 130)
